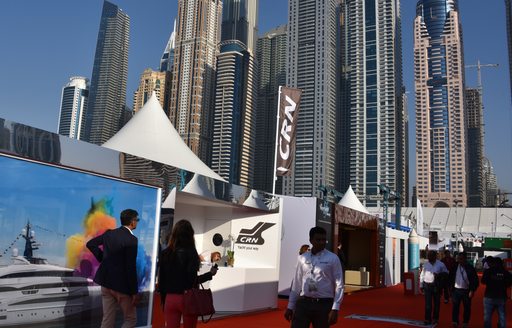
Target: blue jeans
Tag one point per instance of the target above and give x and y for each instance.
(490, 304)
(458, 296)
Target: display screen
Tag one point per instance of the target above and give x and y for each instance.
(47, 215)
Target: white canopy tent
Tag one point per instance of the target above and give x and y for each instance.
(151, 135)
(350, 200)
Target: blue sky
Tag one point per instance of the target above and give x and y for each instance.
(46, 42)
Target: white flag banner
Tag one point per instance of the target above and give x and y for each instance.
(419, 218)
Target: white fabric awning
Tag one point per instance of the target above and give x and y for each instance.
(350, 200)
(150, 134)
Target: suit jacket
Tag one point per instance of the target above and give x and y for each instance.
(118, 270)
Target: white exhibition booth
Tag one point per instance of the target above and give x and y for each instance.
(253, 234)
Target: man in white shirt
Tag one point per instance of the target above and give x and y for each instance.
(431, 287)
(317, 288)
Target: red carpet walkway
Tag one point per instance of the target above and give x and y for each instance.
(386, 302)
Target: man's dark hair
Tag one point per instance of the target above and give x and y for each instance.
(127, 216)
(463, 255)
(317, 230)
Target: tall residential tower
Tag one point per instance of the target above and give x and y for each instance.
(193, 77)
(271, 59)
(373, 117)
(475, 149)
(107, 97)
(234, 123)
(73, 107)
(440, 117)
(312, 66)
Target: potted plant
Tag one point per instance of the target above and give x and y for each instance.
(231, 258)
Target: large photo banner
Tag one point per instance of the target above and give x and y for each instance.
(289, 103)
(47, 215)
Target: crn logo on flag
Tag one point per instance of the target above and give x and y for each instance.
(286, 131)
(253, 236)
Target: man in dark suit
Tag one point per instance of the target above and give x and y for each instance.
(117, 274)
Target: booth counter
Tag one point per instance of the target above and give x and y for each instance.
(244, 289)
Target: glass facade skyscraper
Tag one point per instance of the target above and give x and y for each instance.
(440, 118)
(508, 10)
(312, 66)
(234, 123)
(107, 97)
(271, 59)
(373, 118)
(73, 107)
(475, 149)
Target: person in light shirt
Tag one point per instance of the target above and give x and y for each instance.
(430, 286)
(317, 288)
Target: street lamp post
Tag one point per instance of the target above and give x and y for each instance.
(456, 201)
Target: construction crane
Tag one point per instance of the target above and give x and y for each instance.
(478, 67)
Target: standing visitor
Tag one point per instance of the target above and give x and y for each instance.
(117, 274)
(451, 265)
(317, 288)
(496, 280)
(466, 283)
(430, 286)
(179, 264)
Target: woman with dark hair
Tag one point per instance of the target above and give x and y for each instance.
(179, 264)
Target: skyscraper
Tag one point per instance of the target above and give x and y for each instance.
(271, 60)
(440, 118)
(312, 67)
(508, 9)
(474, 109)
(73, 107)
(193, 78)
(234, 123)
(373, 115)
(159, 82)
(490, 183)
(107, 98)
(167, 60)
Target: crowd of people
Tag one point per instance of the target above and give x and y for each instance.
(457, 280)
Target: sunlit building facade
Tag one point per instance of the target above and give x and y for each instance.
(193, 77)
(440, 118)
(73, 107)
(234, 122)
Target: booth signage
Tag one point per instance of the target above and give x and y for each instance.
(253, 236)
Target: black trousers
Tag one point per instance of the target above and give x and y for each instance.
(461, 296)
(314, 312)
(432, 296)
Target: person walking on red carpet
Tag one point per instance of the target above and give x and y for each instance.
(430, 286)
(497, 280)
(451, 265)
(317, 288)
(466, 283)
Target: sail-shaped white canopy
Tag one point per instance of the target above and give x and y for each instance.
(350, 200)
(151, 135)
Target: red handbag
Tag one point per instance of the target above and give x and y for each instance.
(199, 302)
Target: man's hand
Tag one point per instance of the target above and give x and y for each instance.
(333, 317)
(136, 299)
(470, 294)
(288, 314)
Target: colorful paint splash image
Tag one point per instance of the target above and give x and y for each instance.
(99, 219)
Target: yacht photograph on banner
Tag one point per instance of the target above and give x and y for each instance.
(47, 215)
